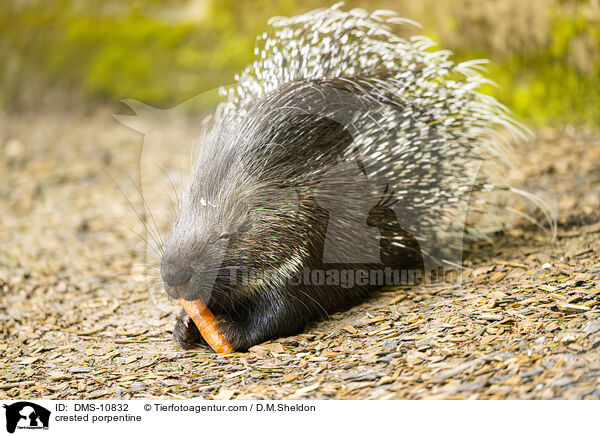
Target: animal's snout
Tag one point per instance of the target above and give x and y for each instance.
(175, 278)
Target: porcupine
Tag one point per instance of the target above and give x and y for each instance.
(329, 92)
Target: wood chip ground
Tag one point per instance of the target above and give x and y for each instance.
(77, 320)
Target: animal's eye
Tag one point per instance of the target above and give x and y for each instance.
(224, 236)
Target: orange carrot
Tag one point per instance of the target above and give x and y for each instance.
(207, 325)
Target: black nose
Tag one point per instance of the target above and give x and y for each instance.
(175, 275)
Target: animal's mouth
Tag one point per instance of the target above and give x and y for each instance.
(173, 291)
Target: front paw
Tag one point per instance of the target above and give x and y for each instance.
(186, 333)
(237, 335)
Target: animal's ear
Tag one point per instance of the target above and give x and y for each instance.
(142, 121)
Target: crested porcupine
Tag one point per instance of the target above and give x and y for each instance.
(342, 150)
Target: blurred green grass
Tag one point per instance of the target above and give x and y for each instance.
(545, 53)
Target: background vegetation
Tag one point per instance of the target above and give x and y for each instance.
(545, 54)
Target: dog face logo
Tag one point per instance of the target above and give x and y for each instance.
(26, 415)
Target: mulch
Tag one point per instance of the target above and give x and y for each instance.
(78, 321)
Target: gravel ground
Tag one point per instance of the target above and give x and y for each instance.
(77, 320)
